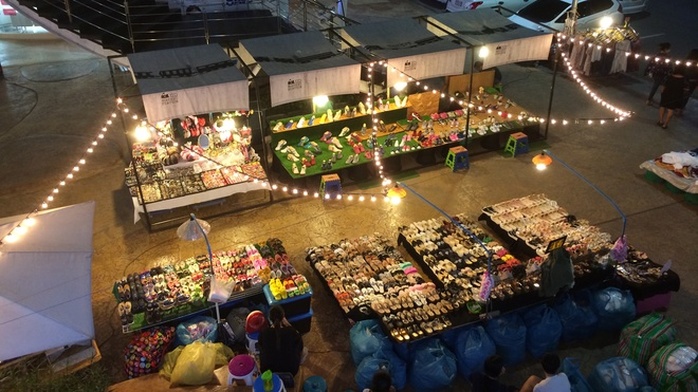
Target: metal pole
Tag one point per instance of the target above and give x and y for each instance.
(552, 90)
(591, 184)
(470, 95)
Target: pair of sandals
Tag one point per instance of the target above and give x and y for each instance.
(664, 126)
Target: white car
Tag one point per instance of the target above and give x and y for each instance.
(633, 6)
(550, 15)
(467, 5)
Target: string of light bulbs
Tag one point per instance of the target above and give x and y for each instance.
(22, 227)
(639, 56)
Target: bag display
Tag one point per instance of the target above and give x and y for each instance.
(673, 368)
(642, 337)
(618, 374)
(543, 330)
(433, 368)
(579, 383)
(615, 308)
(508, 332)
(146, 349)
(366, 337)
(473, 346)
(578, 322)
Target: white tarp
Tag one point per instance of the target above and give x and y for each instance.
(408, 47)
(506, 41)
(188, 81)
(46, 282)
(302, 66)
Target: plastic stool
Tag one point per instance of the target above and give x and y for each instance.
(252, 339)
(517, 144)
(330, 184)
(315, 384)
(242, 368)
(457, 158)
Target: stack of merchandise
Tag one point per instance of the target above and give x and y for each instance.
(369, 271)
(458, 262)
(172, 290)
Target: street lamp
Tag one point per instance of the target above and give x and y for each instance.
(545, 159)
(195, 229)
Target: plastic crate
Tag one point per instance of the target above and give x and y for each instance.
(301, 322)
(293, 306)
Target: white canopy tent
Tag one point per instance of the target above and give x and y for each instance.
(506, 42)
(46, 282)
(188, 81)
(301, 66)
(408, 47)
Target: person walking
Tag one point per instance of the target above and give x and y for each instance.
(672, 96)
(658, 69)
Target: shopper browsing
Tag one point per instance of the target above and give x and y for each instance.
(489, 380)
(554, 381)
(280, 346)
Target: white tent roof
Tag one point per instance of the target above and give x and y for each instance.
(301, 66)
(409, 47)
(46, 283)
(507, 42)
(190, 80)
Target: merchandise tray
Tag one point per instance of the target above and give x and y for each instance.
(292, 306)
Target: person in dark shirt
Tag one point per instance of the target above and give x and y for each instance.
(658, 69)
(672, 96)
(488, 381)
(280, 345)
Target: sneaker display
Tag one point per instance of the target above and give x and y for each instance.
(281, 144)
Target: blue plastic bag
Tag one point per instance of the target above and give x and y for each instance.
(578, 322)
(196, 328)
(433, 367)
(367, 368)
(543, 330)
(615, 308)
(570, 366)
(397, 367)
(450, 337)
(508, 332)
(366, 338)
(473, 346)
(618, 374)
(402, 350)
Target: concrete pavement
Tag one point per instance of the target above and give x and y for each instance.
(55, 99)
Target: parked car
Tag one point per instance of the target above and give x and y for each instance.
(633, 6)
(467, 5)
(550, 15)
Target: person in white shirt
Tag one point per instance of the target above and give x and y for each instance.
(554, 381)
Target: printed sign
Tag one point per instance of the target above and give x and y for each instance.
(501, 49)
(410, 65)
(169, 99)
(295, 84)
(556, 244)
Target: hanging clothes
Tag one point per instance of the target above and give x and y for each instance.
(620, 59)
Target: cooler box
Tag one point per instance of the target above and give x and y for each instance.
(293, 306)
(301, 322)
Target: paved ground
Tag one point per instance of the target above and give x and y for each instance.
(55, 99)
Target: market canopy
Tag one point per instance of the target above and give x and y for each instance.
(190, 80)
(408, 47)
(301, 66)
(506, 41)
(46, 282)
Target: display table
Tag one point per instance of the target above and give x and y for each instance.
(195, 198)
(679, 169)
(171, 292)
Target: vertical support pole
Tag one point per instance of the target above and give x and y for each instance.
(129, 27)
(552, 90)
(470, 95)
(66, 4)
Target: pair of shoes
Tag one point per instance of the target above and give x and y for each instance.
(659, 123)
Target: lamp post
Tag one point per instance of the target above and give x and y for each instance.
(195, 229)
(544, 160)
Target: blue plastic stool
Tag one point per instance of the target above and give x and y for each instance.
(315, 384)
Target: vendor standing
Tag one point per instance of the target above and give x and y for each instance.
(280, 345)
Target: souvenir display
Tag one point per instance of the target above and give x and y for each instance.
(172, 290)
(369, 271)
(313, 144)
(159, 163)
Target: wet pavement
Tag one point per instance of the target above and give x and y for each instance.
(56, 97)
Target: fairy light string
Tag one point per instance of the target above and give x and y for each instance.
(22, 227)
